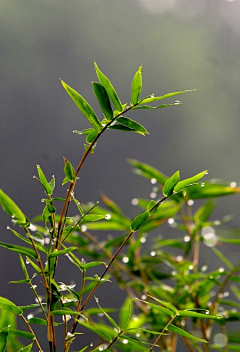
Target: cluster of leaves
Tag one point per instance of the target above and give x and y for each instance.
(170, 294)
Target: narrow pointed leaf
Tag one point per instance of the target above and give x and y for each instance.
(103, 100)
(110, 319)
(193, 314)
(93, 329)
(139, 220)
(155, 306)
(3, 339)
(125, 121)
(168, 305)
(87, 131)
(5, 304)
(211, 190)
(21, 250)
(148, 107)
(26, 349)
(40, 321)
(64, 312)
(27, 240)
(189, 181)
(150, 205)
(170, 184)
(169, 95)
(111, 205)
(11, 208)
(136, 86)
(23, 266)
(92, 217)
(83, 105)
(43, 181)
(109, 88)
(148, 171)
(56, 253)
(93, 264)
(25, 334)
(181, 332)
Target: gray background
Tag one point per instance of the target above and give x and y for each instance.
(181, 45)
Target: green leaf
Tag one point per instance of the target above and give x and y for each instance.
(92, 217)
(223, 258)
(37, 245)
(168, 305)
(26, 348)
(125, 121)
(42, 179)
(103, 100)
(11, 208)
(40, 321)
(56, 252)
(148, 171)
(111, 320)
(64, 312)
(87, 131)
(193, 314)
(25, 281)
(21, 250)
(111, 205)
(24, 334)
(148, 107)
(181, 332)
(23, 266)
(170, 184)
(189, 181)
(155, 306)
(210, 190)
(5, 304)
(150, 205)
(109, 88)
(169, 95)
(139, 220)
(93, 264)
(83, 105)
(125, 312)
(136, 86)
(203, 213)
(69, 170)
(95, 330)
(3, 339)
(91, 136)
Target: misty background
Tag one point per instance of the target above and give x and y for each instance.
(182, 44)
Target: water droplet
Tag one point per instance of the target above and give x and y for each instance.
(226, 294)
(220, 340)
(190, 202)
(171, 221)
(32, 227)
(207, 312)
(27, 261)
(135, 317)
(91, 344)
(152, 254)
(183, 322)
(233, 184)
(217, 222)
(204, 268)
(153, 195)
(42, 200)
(83, 228)
(177, 102)
(134, 201)
(209, 236)
(108, 216)
(153, 181)
(186, 238)
(101, 314)
(29, 316)
(173, 273)
(8, 227)
(96, 299)
(190, 267)
(67, 317)
(137, 334)
(179, 258)
(34, 286)
(202, 184)
(47, 240)
(125, 260)
(221, 270)
(143, 297)
(125, 341)
(152, 96)
(143, 240)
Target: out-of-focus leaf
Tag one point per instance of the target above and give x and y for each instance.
(203, 213)
(110, 319)
(109, 88)
(125, 312)
(21, 250)
(193, 314)
(222, 257)
(3, 339)
(40, 321)
(42, 179)
(64, 312)
(139, 220)
(125, 121)
(26, 348)
(5, 304)
(189, 181)
(56, 253)
(111, 205)
(169, 95)
(37, 245)
(170, 184)
(155, 306)
(96, 330)
(181, 332)
(103, 100)
(148, 171)
(92, 217)
(93, 264)
(83, 105)
(136, 86)
(210, 190)
(11, 208)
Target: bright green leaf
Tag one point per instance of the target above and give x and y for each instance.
(148, 171)
(5, 304)
(136, 86)
(26, 348)
(83, 105)
(11, 208)
(125, 121)
(43, 181)
(169, 95)
(189, 181)
(21, 250)
(193, 314)
(170, 184)
(182, 332)
(91, 136)
(139, 220)
(69, 170)
(56, 252)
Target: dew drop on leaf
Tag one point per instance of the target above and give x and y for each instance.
(134, 201)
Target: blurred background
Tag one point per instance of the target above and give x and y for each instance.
(182, 44)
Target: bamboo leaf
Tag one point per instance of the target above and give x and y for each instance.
(83, 105)
(42, 179)
(170, 184)
(109, 88)
(181, 332)
(148, 171)
(189, 181)
(103, 100)
(136, 86)
(5, 304)
(169, 95)
(69, 170)
(56, 252)
(139, 220)
(26, 348)
(11, 208)
(93, 264)
(21, 250)
(25, 334)
(125, 121)
(210, 190)
(110, 319)
(193, 314)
